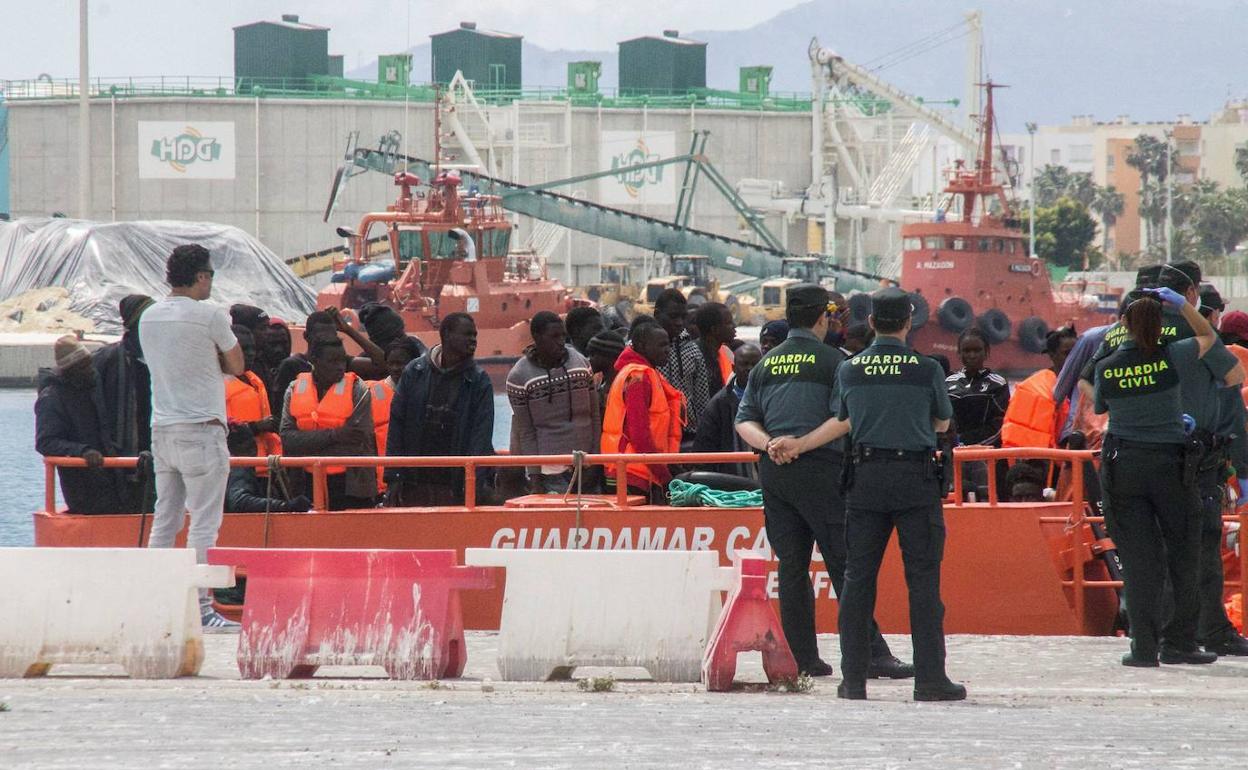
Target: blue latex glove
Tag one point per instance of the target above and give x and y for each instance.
(1242, 500)
(1169, 297)
(1189, 424)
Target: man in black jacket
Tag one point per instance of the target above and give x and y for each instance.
(717, 430)
(126, 389)
(443, 405)
(244, 492)
(69, 422)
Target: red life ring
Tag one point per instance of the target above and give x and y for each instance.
(1036, 268)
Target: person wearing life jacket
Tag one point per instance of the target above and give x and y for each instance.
(381, 394)
(645, 413)
(328, 412)
(1033, 417)
(715, 330)
(247, 401)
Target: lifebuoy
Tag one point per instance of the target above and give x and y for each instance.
(859, 308)
(1031, 334)
(995, 325)
(922, 311)
(1037, 267)
(955, 315)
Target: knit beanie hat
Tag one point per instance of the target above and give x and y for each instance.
(608, 343)
(68, 350)
(248, 315)
(131, 307)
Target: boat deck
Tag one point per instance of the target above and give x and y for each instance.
(1034, 702)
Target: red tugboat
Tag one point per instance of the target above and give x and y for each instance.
(970, 267)
(441, 253)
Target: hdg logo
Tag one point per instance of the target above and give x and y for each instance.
(186, 148)
(635, 179)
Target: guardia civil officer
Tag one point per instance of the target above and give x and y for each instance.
(1149, 465)
(892, 402)
(789, 394)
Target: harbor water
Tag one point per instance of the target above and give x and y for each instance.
(23, 492)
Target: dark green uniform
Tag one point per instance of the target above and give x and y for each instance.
(1149, 493)
(891, 395)
(790, 393)
(1220, 432)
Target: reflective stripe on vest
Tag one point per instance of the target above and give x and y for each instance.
(667, 418)
(329, 413)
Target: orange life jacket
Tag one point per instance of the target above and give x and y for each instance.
(1033, 419)
(381, 393)
(1241, 354)
(725, 363)
(667, 418)
(330, 412)
(247, 400)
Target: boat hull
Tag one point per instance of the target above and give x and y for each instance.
(1002, 572)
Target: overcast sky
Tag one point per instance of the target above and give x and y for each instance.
(193, 37)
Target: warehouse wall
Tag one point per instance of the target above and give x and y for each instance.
(301, 143)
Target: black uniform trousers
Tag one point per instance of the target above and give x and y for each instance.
(1154, 519)
(802, 506)
(887, 494)
(1213, 625)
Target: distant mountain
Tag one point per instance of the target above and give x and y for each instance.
(1151, 59)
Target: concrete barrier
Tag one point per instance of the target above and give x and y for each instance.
(568, 608)
(137, 607)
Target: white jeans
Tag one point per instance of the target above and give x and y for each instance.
(192, 468)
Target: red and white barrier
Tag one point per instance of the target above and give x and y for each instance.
(310, 607)
(747, 623)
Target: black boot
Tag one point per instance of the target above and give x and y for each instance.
(939, 691)
(1195, 656)
(1231, 644)
(816, 668)
(852, 690)
(889, 667)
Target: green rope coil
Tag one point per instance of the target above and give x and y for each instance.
(684, 494)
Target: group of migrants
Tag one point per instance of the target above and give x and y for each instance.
(190, 384)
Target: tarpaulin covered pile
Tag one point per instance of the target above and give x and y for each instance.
(99, 263)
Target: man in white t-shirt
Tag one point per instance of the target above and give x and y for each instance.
(189, 349)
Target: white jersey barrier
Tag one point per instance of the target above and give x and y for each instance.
(138, 607)
(567, 608)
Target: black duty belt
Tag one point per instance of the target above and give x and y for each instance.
(1150, 446)
(880, 454)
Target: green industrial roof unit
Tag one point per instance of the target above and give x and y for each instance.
(394, 69)
(755, 81)
(667, 64)
(282, 54)
(583, 76)
(491, 60)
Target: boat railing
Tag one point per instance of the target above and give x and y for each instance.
(1081, 548)
(316, 467)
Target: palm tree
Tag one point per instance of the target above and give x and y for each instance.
(1050, 184)
(1148, 156)
(1107, 204)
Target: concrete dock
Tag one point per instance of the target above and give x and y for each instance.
(1035, 702)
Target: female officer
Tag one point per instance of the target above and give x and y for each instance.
(1148, 477)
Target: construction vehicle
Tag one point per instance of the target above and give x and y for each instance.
(774, 291)
(615, 289)
(691, 274)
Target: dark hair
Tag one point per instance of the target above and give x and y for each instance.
(577, 318)
(641, 318)
(241, 440)
(1023, 472)
(321, 347)
(185, 264)
(451, 319)
(860, 332)
(318, 317)
(708, 316)
(241, 329)
(1053, 340)
(405, 343)
(895, 325)
(1172, 277)
(667, 298)
(943, 360)
(803, 316)
(977, 334)
(1143, 321)
(644, 330)
(540, 320)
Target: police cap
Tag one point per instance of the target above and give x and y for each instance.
(891, 304)
(1146, 277)
(1210, 298)
(806, 295)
